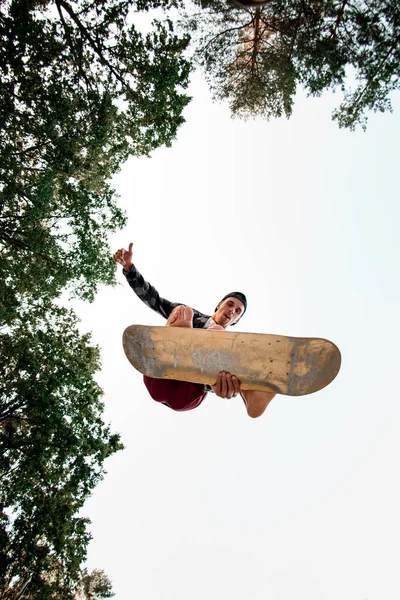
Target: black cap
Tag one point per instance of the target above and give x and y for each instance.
(239, 296)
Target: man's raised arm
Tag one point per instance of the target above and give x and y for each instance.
(142, 288)
(124, 257)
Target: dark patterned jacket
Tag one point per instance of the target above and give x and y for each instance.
(149, 295)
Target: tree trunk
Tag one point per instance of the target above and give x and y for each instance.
(252, 3)
(256, 38)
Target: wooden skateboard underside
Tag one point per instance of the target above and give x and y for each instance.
(286, 365)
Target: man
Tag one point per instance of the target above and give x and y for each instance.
(182, 395)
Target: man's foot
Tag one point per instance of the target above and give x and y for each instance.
(256, 402)
(181, 316)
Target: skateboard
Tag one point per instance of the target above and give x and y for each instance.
(285, 365)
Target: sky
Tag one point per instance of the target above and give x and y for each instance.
(303, 502)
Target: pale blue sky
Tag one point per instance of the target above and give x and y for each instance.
(303, 502)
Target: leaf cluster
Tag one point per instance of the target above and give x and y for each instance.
(96, 585)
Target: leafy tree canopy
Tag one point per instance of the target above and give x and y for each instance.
(81, 89)
(53, 444)
(256, 57)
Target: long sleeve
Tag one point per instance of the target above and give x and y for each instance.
(150, 296)
(148, 293)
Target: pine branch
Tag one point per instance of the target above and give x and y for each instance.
(338, 20)
(224, 32)
(96, 47)
(377, 70)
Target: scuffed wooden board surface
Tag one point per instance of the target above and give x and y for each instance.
(286, 365)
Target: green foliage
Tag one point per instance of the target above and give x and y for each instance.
(256, 57)
(53, 444)
(96, 585)
(81, 90)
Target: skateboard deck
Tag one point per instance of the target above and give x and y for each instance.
(285, 365)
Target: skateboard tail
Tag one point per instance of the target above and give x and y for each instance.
(314, 364)
(285, 365)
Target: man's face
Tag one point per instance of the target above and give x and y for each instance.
(228, 312)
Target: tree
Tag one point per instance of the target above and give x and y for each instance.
(53, 444)
(81, 89)
(96, 585)
(256, 57)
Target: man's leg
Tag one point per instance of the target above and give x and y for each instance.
(181, 316)
(228, 386)
(178, 395)
(256, 402)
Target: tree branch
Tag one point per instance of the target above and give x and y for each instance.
(296, 31)
(98, 50)
(223, 32)
(371, 79)
(256, 38)
(338, 20)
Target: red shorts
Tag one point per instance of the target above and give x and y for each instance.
(178, 395)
